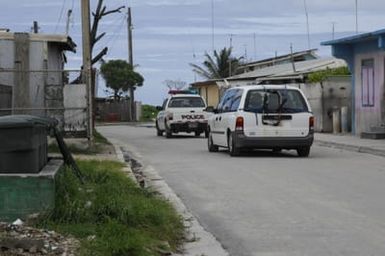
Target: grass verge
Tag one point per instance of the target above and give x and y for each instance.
(99, 143)
(111, 215)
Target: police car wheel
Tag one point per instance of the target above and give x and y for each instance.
(158, 131)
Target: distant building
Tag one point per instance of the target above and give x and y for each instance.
(365, 56)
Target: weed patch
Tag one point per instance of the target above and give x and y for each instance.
(111, 215)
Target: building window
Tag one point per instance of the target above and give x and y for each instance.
(367, 83)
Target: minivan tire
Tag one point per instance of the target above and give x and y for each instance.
(210, 144)
(303, 151)
(232, 145)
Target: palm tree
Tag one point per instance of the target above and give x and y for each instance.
(221, 65)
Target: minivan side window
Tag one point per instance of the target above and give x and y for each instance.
(223, 100)
(236, 100)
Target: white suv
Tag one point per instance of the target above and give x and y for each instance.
(262, 117)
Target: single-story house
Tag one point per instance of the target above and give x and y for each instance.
(324, 96)
(365, 56)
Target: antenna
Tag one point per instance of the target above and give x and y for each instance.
(356, 16)
(333, 29)
(307, 24)
(68, 21)
(292, 57)
(255, 45)
(212, 25)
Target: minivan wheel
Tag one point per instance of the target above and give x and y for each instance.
(303, 151)
(210, 144)
(231, 144)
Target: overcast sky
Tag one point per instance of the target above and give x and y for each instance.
(170, 34)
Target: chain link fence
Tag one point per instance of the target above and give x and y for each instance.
(58, 94)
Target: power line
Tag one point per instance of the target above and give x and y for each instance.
(61, 15)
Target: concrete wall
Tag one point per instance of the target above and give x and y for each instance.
(5, 99)
(7, 53)
(366, 117)
(324, 97)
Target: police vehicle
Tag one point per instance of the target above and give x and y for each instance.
(182, 111)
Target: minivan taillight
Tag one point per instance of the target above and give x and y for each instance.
(311, 123)
(239, 124)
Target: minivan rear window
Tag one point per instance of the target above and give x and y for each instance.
(275, 101)
(186, 102)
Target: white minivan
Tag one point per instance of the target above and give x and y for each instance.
(262, 117)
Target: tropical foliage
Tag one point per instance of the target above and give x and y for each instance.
(320, 76)
(220, 65)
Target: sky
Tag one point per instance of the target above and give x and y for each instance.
(170, 34)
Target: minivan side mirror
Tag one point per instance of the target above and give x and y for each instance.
(209, 109)
(159, 108)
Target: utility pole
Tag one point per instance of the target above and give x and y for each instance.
(69, 13)
(333, 30)
(132, 114)
(87, 72)
(255, 46)
(35, 27)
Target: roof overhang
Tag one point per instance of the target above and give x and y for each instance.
(64, 41)
(371, 36)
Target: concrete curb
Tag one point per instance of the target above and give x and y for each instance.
(199, 241)
(120, 156)
(349, 147)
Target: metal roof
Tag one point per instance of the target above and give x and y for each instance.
(281, 58)
(63, 40)
(286, 70)
(356, 38)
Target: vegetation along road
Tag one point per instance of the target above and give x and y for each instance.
(265, 203)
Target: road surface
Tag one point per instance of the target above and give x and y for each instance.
(273, 204)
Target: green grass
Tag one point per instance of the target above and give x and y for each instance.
(125, 219)
(99, 142)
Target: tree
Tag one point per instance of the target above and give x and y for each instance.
(218, 66)
(120, 76)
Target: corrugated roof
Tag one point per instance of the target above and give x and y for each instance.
(356, 38)
(281, 57)
(302, 67)
(65, 41)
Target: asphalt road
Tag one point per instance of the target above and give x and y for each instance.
(264, 203)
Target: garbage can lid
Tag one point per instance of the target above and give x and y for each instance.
(25, 121)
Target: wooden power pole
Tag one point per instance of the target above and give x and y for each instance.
(132, 116)
(87, 73)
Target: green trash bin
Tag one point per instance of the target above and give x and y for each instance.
(23, 143)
